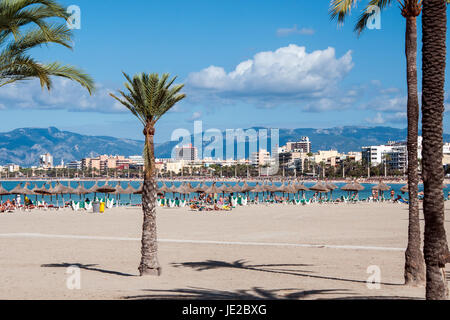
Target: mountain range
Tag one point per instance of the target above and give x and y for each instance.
(24, 146)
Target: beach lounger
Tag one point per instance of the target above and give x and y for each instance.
(110, 204)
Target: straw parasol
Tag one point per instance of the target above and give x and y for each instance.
(139, 190)
(320, 187)
(331, 186)
(183, 189)
(18, 190)
(43, 190)
(164, 188)
(246, 188)
(236, 188)
(93, 189)
(173, 189)
(301, 187)
(3, 192)
(352, 186)
(200, 188)
(106, 188)
(129, 189)
(119, 189)
(381, 186)
(59, 189)
(273, 188)
(258, 188)
(213, 189)
(290, 188)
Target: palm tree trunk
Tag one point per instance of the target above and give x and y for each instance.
(414, 263)
(434, 24)
(149, 262)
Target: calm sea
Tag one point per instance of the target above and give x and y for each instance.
(136, 199)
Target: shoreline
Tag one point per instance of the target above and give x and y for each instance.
(207, 179)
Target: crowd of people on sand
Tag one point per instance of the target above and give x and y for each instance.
(223, 202)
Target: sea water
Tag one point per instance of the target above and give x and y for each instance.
(136, 199)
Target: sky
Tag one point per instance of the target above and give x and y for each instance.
(277, 64)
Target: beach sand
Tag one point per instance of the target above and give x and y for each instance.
(256, 252)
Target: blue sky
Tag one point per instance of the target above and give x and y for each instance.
(280, 64)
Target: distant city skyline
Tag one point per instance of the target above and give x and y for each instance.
(272, 65)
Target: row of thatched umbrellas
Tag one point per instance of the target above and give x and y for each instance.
(187, 188)
(184, 188)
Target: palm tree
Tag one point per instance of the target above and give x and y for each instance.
(414, 271)
(434, 28)
(149, 97)
(28, 24)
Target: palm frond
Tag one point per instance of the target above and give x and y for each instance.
(361, 24)
(339, 9)
(149, 96)
(17, 38)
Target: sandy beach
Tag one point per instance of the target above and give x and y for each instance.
(256, 252)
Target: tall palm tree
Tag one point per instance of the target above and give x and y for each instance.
(414, 271)
(149, 97)
(28, 24)
(434, 28)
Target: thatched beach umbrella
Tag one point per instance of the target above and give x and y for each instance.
(289, 188)
(106, 188)
(301, 187)
(119, 189)
(236, 188)
(3, 192)
(93, 189)
(381, 187)
(59, 189)
(44, 191)
(258, 188)
(331, 186)
(320, 187)
(173, 189)
(164, 188)
(200, 188)
(352, 187)
(80, 190)
(213, 189)
(246, 188)
(18, 189)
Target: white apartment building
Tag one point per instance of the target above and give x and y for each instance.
(186, 153)
(46, 160)
(260, 158)
(304, 145)
(395, 155)
(137, 160)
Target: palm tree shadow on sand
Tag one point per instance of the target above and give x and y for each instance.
(89, 267)
(254, 293)
(269, 268)
(257, 293)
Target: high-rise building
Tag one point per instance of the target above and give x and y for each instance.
(395, 155)
(187, 153)
(304, 145)
(260, 158)
(46, 160)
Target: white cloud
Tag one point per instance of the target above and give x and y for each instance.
(195, 116)
(397, 117)
(288, 74)
(65, 95)
(283, 32)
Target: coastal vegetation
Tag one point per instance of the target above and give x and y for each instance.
(29, 24)
(149, 97)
